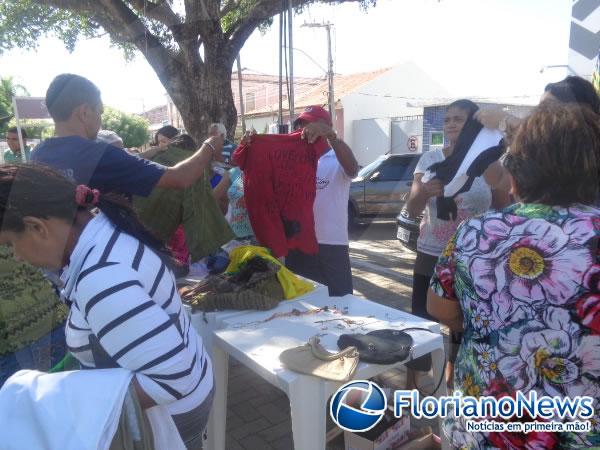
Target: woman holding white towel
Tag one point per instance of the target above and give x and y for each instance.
(435, 233)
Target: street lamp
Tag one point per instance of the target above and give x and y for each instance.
(331, 99)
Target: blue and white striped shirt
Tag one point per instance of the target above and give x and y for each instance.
(126, 312)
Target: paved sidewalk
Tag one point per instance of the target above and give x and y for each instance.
(258, 415)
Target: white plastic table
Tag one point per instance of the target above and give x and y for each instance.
(257, 343)
(206, 323)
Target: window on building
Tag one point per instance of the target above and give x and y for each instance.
(437, 138)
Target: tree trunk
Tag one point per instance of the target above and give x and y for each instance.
(204, 97)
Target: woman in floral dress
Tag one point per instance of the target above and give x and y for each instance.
(524, 283)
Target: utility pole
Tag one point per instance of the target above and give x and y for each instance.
(291, 59)
(280, 127)
(330, 74)
(242, 112)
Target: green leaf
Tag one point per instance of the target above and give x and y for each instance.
(8, 89)
(133, 129)
(24, 22)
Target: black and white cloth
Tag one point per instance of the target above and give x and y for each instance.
(476, 148)
(125, 312)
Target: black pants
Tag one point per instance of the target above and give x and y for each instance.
(423, 271)
(424, 267)
(331, 267)
(419, 296)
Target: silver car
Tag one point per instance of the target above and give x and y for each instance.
(381, 188)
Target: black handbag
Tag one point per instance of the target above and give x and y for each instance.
(380, 346)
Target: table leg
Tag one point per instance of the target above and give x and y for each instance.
(217, 420)
(308, 408)
(439, 371)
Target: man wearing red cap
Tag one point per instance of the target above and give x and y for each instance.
(335, 171)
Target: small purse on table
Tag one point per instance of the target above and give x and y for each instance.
(313, 359)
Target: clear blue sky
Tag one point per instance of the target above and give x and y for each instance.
(472, 47)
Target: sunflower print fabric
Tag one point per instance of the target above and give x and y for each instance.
(528, 281)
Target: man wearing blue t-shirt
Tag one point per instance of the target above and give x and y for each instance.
(75, 105)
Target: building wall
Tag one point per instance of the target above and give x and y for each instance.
(370, 139)
(360, 107)
(158, 115)
(260, 124)
(392, 94)
(257, 94)
(262, 91)
(407, 135)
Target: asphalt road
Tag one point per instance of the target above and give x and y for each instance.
(381, 266)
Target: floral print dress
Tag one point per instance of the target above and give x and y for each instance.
(528, 282)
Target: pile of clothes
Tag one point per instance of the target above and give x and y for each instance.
(254, 280)
(254, 286)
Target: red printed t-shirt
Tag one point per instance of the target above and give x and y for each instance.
(280, 188)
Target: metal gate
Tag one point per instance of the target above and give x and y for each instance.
(407, 135)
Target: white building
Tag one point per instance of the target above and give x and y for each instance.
(370, 108)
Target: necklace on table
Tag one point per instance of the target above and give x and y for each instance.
(293, 313)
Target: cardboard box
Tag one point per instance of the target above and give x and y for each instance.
(387, 435)
(428, 442)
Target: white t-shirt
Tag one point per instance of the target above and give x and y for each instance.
(436, 233)
(331, 203)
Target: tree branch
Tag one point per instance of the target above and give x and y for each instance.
(229, 6)
(190, 40)
(241, 30)
(125, 26)
(212, 8)
(119, 20)
(160, 12)
(193, 14)
(185, 33)
(209, 20)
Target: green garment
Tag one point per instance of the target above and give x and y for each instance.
(29, 307)
(206, 229)
(11, 158)
(69, 362)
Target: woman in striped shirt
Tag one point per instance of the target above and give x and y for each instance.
(124, 307)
